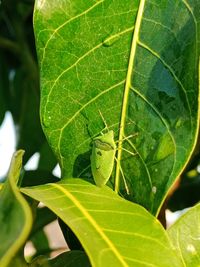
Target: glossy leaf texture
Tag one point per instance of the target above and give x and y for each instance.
(136, 63)
(123, 233)
(15, 214)
(185, 236)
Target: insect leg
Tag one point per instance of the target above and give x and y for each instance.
(124, 179)
(133, 154)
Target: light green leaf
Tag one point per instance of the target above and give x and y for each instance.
(15, 214)
(185, 236)
(18, 262)
(137, 63)
(123, 233)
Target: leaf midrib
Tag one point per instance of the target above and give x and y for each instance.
(93, 223)
(127, 89)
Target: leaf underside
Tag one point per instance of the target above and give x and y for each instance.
(136, 63)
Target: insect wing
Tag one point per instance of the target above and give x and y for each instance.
(102, 158)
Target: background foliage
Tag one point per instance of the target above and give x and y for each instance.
(20, 95)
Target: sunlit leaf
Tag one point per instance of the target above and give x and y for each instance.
(185, 236)
(113, 231)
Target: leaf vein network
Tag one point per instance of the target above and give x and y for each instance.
(162, 119)
(93, 223)
(82, 108)
(172, 73)
(67, 22)
(81, 58)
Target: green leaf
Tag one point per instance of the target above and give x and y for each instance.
(15, 214)
(70, 238)
(122, 232)
(36, 177)
(41, 243)
(185, 235)
(46, 162)
(70, 259)
(4, 86)
(18, 262)
(66, 259)
(25, 110)
(22, 85)
(137, 63)
(43, 216)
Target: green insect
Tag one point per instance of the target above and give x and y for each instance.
(102, 158)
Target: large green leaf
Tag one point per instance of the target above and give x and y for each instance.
(15, 214)
(185, 236)
(113, 231)
(137, 63)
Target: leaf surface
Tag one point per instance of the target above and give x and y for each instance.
(136, 62)
(15, 214)
(71, 259)
(122, 232)
(185, 236)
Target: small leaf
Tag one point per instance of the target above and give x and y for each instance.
(185, 236)
(123, 233)
(15, 214)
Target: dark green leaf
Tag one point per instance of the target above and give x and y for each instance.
(66, 259)
(72, 241)
(17, 41)
(37, 177)
(71, 259)
(4, 84)
(41, 243)
(47, 159)
(137, 63)
(43, 217)
(25, 110)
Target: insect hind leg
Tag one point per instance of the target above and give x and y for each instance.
(124, 179)
(126, 138)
